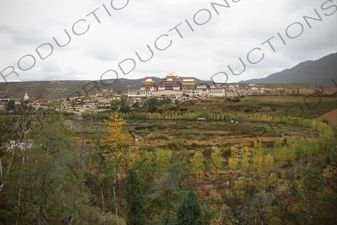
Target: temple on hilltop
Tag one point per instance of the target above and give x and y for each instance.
(148, 85)
(145, 89)
(169, 87)
(170, 82)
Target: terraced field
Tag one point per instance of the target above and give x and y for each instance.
(192, 135)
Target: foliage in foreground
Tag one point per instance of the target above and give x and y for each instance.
(59, 181)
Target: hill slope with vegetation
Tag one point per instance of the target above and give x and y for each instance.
(320, 71)
(236, 167)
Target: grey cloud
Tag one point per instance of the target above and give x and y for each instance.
(50, 67)
(25, 35)
(102, 53)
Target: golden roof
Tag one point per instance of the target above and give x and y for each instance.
(189, 80)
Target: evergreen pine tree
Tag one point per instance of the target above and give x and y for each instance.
(189, 212)
(135, 214)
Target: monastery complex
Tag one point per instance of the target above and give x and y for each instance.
(172, 86)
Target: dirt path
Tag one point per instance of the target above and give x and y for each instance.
(331, 116)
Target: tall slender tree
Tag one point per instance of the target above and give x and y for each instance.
(198, 164)
(135, 214)
(216, 161)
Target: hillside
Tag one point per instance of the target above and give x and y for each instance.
(320, 71)
(65, 88)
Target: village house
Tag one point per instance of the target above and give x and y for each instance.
(4, 102)
(105, 93)
(254, 89)
(216, 91)
(201, 90)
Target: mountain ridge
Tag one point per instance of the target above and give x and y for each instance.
(320, 71)
(51, 88)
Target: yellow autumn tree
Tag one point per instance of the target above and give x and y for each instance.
(216, 157)
(258, 154)
(119, 145)
(257, 160)
(233, 161)
(257, 145)
(198, 164)
(245, 157)
(245, 162)
(269, 160)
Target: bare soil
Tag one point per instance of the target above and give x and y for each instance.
(331, 116)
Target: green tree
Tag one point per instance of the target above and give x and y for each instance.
(115, 105)
(163, 158)
(146, 165)
(310, 195)
(114, 151)
(198, 164)
(152, 104)
(165, 196)
(189, 212)
(45, 186)
(6, 156)
(136, 104)
(124, 105)
(100, 173)
(124, 109)
(135, 214)
(14, 129)
(10, 106)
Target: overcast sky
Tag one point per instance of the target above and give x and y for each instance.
(214, 38)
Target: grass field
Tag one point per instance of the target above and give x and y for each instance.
(298, 106)
(192, 135)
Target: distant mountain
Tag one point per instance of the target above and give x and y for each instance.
(320, 71)
(64, 88)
